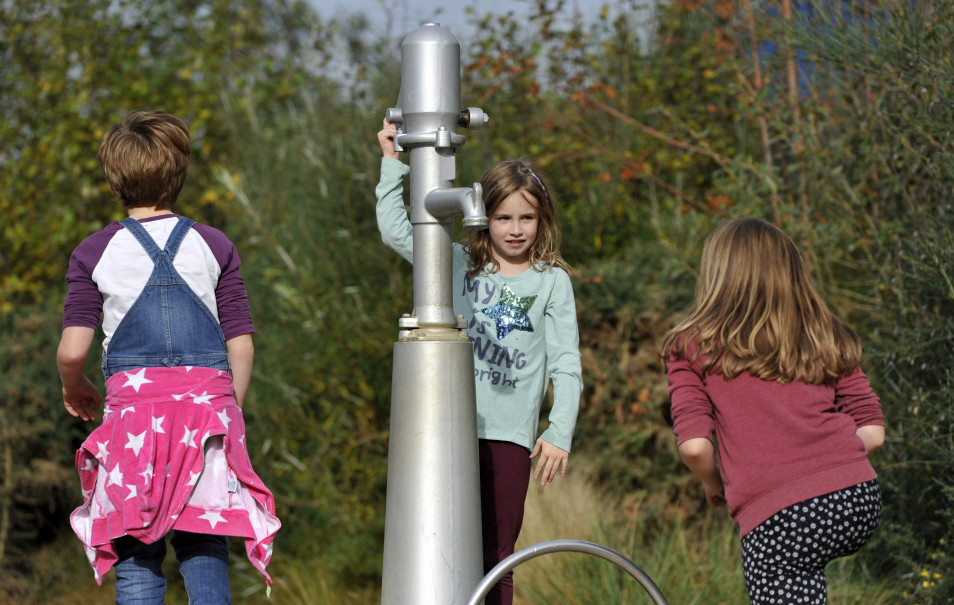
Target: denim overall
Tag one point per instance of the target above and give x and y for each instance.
(168, 325)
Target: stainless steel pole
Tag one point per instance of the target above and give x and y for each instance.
(432, 534)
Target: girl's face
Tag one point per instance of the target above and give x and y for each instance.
(513, 229)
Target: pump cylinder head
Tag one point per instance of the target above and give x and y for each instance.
(430, 80)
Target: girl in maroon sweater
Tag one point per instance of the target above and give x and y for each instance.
(762, 368)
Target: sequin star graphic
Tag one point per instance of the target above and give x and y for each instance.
(136, 380)
(511, 312)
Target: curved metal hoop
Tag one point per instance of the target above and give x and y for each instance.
(543, 548)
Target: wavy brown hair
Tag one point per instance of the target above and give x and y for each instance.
(145, 158)
(498, 183)
(756, 310)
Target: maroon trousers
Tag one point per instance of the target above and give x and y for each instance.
(504, 479)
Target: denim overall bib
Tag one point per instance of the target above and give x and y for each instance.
(168, 325)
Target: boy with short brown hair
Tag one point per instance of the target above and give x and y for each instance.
(177, 358)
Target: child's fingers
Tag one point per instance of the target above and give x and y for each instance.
(69, 408)
(81, 408)
(549, 470)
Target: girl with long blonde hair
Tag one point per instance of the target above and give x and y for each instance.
(772, 411)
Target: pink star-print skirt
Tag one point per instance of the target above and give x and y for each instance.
(170, 454)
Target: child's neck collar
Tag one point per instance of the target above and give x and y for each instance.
(141, 213)
(511, 270)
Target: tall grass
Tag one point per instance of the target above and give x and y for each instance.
(693, 564)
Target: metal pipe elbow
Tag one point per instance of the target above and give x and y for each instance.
(469, 201)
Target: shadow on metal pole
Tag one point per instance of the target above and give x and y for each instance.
(544, 548)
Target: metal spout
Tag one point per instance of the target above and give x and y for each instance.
(442, 203)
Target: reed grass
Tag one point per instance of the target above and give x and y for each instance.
(692, 564)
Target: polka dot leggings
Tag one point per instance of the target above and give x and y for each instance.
(784, 558)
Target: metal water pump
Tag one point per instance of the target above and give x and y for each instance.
(432, 532)
(432, 529)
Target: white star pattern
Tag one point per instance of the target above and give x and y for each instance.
(147, 474)
(103, 452)
(115, 476)
(135, 442)
(189, 437)
(203, 398)
(136, 380)
(213, 517)
(214, 481)
(224, 417)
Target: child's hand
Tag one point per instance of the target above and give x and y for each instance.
(551, 458)
(715, 494)
(386, 139)
(80, 400)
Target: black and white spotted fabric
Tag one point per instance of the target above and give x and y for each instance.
(784, 558)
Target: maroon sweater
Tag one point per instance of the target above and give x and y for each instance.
(778, 444)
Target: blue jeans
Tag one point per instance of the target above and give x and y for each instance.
(203, 563)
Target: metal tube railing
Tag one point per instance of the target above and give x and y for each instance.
(544, 548)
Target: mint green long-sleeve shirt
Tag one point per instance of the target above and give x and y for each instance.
(523, 329)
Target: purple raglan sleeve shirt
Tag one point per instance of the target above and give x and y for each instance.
(84, 301)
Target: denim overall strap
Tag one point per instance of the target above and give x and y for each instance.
(145, 240)
(168, 325)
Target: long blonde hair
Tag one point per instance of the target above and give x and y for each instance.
(756, 310)
(498, 183)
